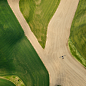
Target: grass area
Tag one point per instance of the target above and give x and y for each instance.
(17, 56)
(14, 79)
(38, 14)
(78, 31)
(75, 53)
(4, 82)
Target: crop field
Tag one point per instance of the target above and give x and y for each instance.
(17, 56)
(75, 53)
(38, 14)
(78, 32)
(14, 79)
(4, 82)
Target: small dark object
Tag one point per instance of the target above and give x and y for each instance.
(18, 79)
(62, 57)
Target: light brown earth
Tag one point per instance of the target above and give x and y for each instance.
(67, 71)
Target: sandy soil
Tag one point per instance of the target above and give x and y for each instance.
(67, 71)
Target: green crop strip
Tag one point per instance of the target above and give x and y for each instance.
(75, 53)
(14, 79)
(78, 32)
(4, 82)
(17, 56)
(38, 14)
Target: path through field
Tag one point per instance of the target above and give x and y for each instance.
(67, 71)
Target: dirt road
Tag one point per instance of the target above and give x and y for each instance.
(70, 72)
(67, 71)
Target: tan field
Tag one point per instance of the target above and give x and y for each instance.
(67, 71)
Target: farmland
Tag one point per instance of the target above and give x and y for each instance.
(38, 14)
(67, 71)
(14, 79)
(78, 33)
(4, 82)
(17, 56)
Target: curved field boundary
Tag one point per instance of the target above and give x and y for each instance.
(14, 79)
(75, 53)
(4, 82)
(65, 72)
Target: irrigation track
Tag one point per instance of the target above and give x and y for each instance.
(67, 71)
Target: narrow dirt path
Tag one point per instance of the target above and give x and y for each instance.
(67, 71)
(14, 4)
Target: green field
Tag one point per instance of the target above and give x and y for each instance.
(4, 82)
(17, 56)
(78, 32)
(14, 79)
(75, 53)
(38, 14)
